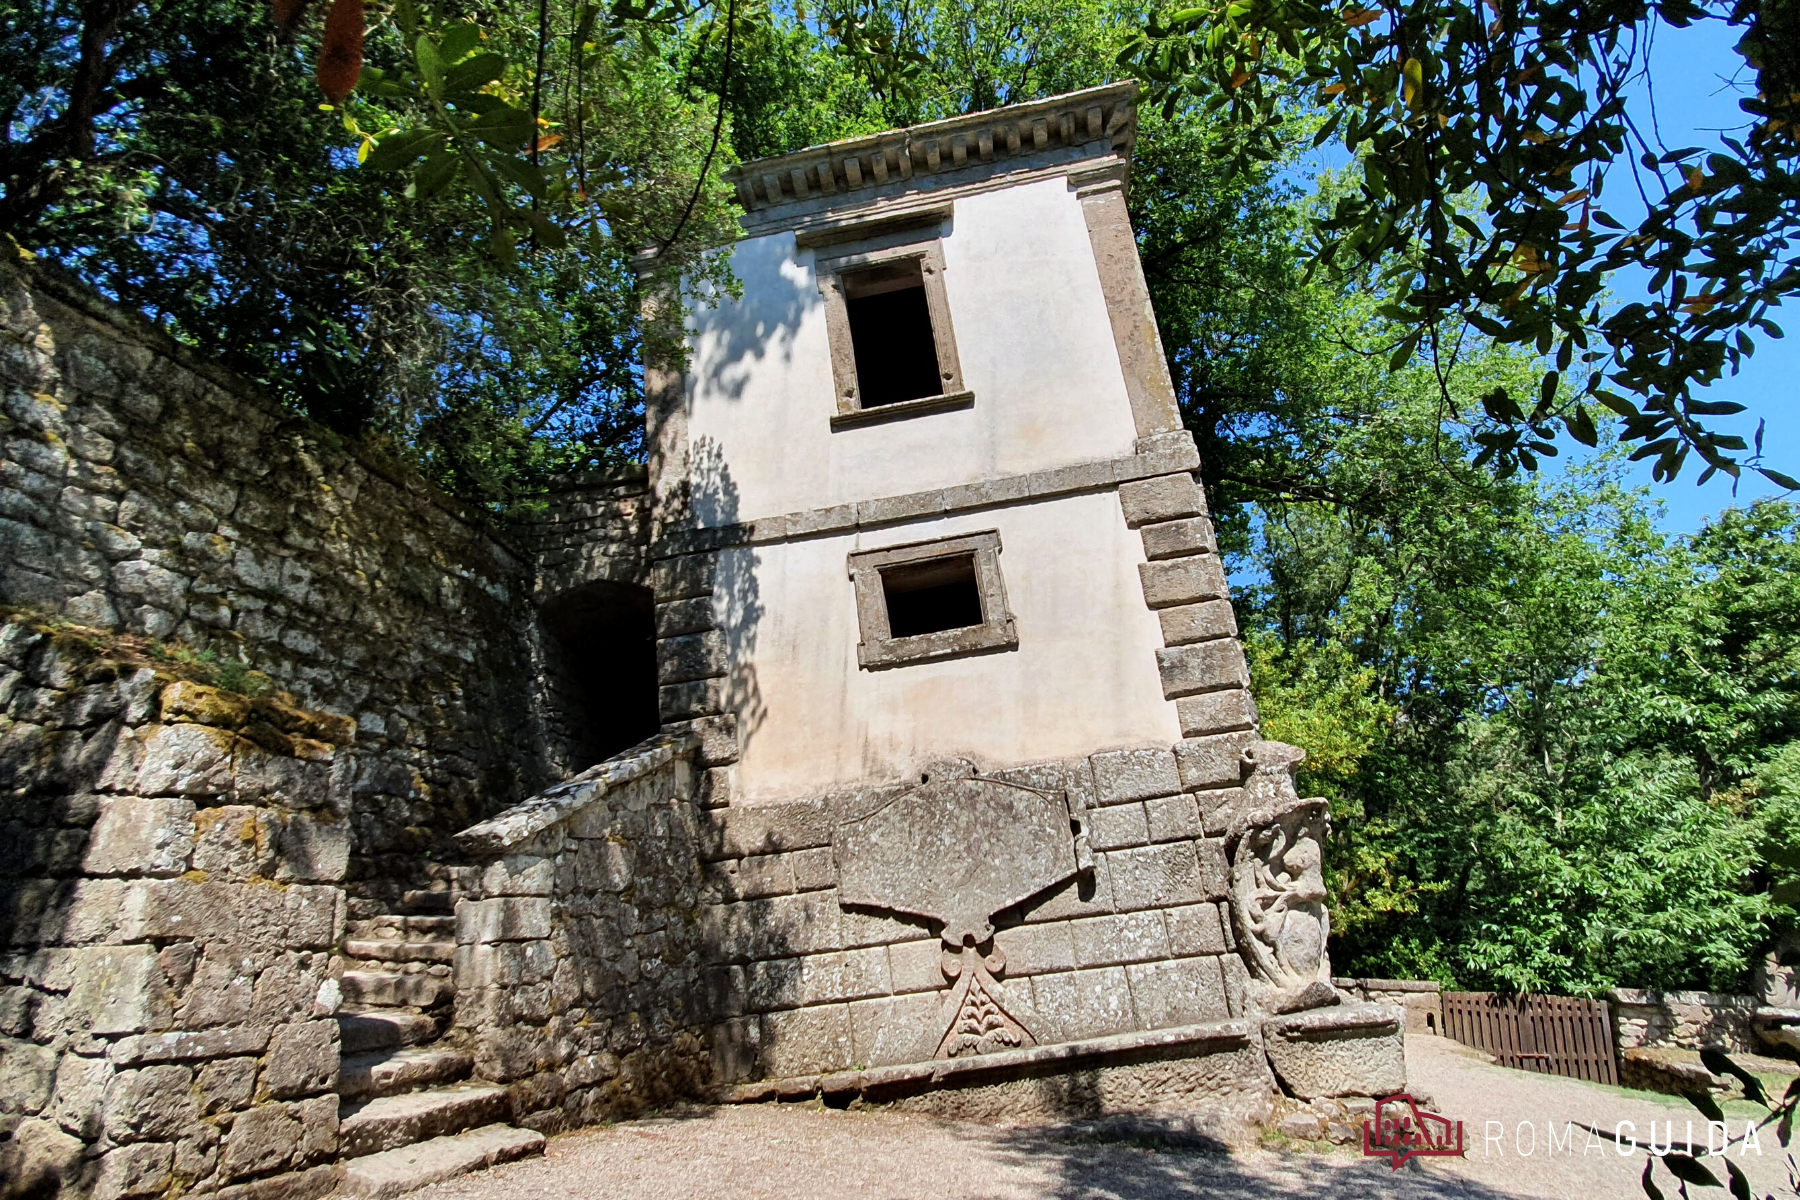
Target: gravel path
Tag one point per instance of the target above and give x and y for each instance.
(806, 1153)
(1506, 1112)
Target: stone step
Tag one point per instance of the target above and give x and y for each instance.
(387, 1122)
(429, 902)
(462, 877)
(394, 1172)
(390, 1072)
(380, 950)
(387, 989)
(364, 1032)
(401, 928)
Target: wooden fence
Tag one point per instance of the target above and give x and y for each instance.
(1554, 1035)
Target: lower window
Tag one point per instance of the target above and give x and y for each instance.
(931, 600)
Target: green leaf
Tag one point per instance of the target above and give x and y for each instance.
(1740, 1186)
(547, 231)
(431, 67)
(521, 172)
(1501, 407)
(1581, 427)
(475, 72)
(1702, 1100)
(1720, 1063)
(1327, 130)
(458, 40)
(1404, 352)
(437, 172)
(1685, 1168)
(397, 151)
(1618, 404)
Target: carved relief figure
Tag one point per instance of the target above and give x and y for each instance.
(1277, 846)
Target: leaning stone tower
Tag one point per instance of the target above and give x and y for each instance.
(937, 592)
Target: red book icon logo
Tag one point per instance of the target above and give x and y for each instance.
(1402, 1130)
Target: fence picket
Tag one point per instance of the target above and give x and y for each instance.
(1551, 1035)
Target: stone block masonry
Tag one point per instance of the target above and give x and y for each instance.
(1684, 1020)
(179, 863)
(1202, 664)
(580, 955)
(595, 527)
(147, 492)
(804, 987)
(173, 863)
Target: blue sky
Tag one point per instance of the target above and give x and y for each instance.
(1694, 102)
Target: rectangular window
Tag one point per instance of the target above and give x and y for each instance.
(930, 600)
(887, 319)
(890, 330)
(931, 596)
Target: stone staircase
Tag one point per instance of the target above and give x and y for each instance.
(409, 1114)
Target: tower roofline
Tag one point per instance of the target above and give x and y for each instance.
(961, 154)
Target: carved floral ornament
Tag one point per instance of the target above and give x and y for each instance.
(957, 851)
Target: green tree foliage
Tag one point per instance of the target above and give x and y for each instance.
(1487, 135)
(1558, 743)
(218, 198)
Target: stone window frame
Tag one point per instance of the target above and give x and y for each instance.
(880, 648)
(928, 250)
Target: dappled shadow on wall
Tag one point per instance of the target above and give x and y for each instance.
(735, 335)
(737, 596)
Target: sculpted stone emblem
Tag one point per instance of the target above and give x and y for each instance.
(957, 851)
(981, 1023)
(1277, 845)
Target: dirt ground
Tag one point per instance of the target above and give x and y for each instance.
(803, 1152)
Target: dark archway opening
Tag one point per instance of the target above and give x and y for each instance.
(601, 671)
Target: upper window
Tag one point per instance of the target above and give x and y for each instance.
(892, 350)
(890, 328)
(931, 600)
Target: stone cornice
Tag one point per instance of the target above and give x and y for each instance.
(1160, 454)
(788, 190)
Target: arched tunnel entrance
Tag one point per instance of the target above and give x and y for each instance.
(600, 643)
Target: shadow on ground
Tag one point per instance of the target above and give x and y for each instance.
(1159, 1157)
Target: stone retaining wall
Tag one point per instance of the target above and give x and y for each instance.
(578, 963)
(595, 526)
(145, 490)
(173, 859)
(1421, 998)
(1684, 1020)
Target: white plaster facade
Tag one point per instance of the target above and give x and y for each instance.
(1056, 403)
(1032, 329)
(857, 579)
(1083, 676)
